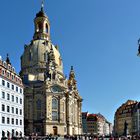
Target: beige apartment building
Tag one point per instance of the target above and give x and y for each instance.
(96, 124)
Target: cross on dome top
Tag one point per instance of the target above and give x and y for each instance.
(42, 5)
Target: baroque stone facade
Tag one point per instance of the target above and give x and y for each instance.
(52, 102)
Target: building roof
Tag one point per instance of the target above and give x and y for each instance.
(128, 104)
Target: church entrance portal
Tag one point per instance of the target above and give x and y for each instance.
(55, 130)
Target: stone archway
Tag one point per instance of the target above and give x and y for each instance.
(55, 130)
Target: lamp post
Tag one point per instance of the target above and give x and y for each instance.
(138, 54)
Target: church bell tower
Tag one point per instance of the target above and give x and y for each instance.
(42, 25)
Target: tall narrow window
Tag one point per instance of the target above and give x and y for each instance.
(12, 98)
(40, 26)
(12, 109)
(20, 111)
(8, 85)
(3, 95)
(20, 90)
(3, 107)
(54, 103)
(8, 120)
(3, 82)
(20, 101)
(53, 76)
(46, 56)
(16, 121)
(20, 122)
(12, 87)
(47, 28)
(16, 99)
(54, 109)
(12, 121)
(8, 96)
(8, 109)
(16, 89)
(3, 119)
(16, 110)
(54, 115)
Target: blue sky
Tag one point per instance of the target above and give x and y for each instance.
(98, 37)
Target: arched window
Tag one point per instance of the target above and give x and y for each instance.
(40, 26)
(3, 134)
(54, 103)
(16, 133)
(8, 133)
(53, 76)
(46, 28)
(54, 109)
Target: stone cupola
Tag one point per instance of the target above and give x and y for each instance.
(42, 25)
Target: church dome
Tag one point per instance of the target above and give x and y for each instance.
(37, 54)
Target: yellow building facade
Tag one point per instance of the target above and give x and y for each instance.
(52, 102)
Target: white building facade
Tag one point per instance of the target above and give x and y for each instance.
(106, 128)
(11, 101)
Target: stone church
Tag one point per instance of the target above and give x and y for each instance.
(52, 102)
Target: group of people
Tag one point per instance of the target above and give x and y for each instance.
(75, 137)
